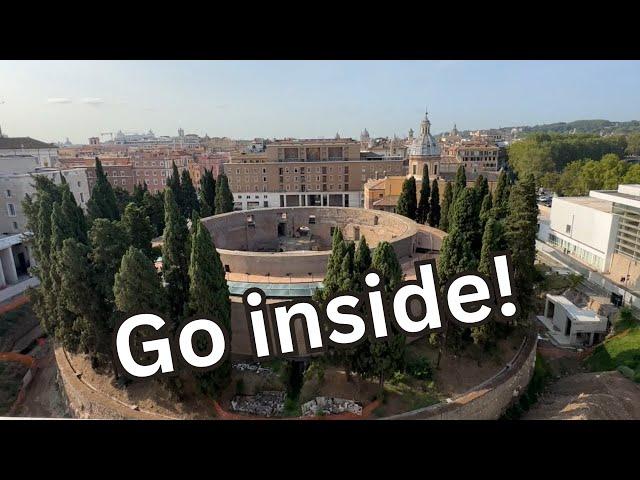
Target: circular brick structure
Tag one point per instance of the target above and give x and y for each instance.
(284, 251)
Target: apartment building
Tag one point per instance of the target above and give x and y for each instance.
(119, 170)
(476, 155)
(308, 172)
(207, 161)
(154, 167)
(14, 187)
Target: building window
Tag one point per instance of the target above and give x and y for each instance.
(8, 193)
(567, 229)
(11, 209)
(15, 225)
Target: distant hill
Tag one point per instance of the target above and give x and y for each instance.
(587, 126)
(604, 127)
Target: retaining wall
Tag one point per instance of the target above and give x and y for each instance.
(490, 399)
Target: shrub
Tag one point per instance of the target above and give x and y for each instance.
(626, 371)
(420, 368)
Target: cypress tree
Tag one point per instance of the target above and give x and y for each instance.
(501, 196)
(361, 262)
(485, 210)
(433, 218)
(188, 195)
(153, 205)
(109, 242)
(62, 318)
(424, 207)
(209, 297)
(136, 285)
(175, 257)
(224, 197)
(207, 194)
(123, 198)
(137, 288)
(79, 296)
(331, 281)
(138, 192)
(102, 203)
(460, 252)
(407, 203)
(460, 184)
(521, 226)
(447, 204)
(173, 182)
(139, 230)
(346, 274)
(74, 215)
(387, 357)
(492, 240)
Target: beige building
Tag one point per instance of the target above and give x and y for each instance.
(311, 172)
(383, 194)
(45, 153)
(14, 188)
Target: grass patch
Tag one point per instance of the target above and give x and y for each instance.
(622, 349)
(539, 379)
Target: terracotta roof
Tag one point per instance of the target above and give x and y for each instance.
(23, 142)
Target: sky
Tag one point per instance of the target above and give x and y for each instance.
(53, 100)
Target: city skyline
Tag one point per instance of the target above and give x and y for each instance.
(53, 100)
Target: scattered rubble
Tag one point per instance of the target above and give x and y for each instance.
(329, 405)
(264, 404)
(253, 367)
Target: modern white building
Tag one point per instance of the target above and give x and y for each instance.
(602, 232)
(45, 153)
(572, 229)
(15, 186)
(570, 325)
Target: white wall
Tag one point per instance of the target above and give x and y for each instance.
(21, 185)
(592, 229)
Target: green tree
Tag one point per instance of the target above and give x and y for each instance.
(139, 230)
(109, 242)
(188, 195)
(102, 203)
(139, 190)
(446, 207)
(78, 294)
(407, 202)
(361, 262)
(422, 213)
(207, 194)
(460, 252)
(486, 210)
(224, 197)
(173, 182)
(386, 357)
(209, 297)
(153, 205)
(459, 185)
(136, 289)
(501, 195)
(136, 286)
(520, 230)
(433, 218)
(175, 257)
(74, 215)
(123, 198)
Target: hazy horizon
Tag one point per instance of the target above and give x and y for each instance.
(53, 100)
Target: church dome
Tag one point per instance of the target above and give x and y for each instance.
(424, 144)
